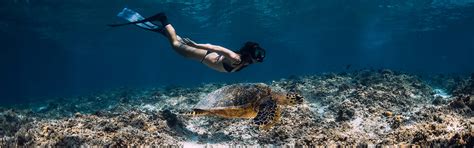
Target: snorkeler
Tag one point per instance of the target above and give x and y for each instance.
(215, 57)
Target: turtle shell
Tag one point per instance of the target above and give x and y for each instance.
(235, 95)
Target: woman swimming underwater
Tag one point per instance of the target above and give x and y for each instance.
(216, 57)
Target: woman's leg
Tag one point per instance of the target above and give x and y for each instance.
(172, 37)
(183, 49)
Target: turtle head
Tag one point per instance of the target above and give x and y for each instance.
(293, 98)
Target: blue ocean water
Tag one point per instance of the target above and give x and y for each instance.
(53, 48)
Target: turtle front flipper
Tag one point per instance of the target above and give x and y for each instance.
(268, 114)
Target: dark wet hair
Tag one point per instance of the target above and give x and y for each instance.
(252, 51)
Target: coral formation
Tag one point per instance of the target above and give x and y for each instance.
(357, 108)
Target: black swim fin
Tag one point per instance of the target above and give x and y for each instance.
(155, 17)
(123, 24)
(138, 20)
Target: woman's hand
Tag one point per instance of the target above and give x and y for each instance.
(235, 58)
(189, 42)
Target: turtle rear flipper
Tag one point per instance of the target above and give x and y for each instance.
(197, 112)
(268, 114)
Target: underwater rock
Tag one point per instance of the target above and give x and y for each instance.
(464, 87)
(463, 104)
(470, 102)
(176, 124)
(22, 140)
(345, 114)
(69, 141)
(386, 72)
(457, 104)
(419, 137)
(396, 122)
(94, 130)
(388, 114)
(11, 121)
(109, 127)
(439, 101)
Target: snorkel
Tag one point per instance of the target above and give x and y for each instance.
(252, 53)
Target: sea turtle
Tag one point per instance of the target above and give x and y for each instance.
(246, 100)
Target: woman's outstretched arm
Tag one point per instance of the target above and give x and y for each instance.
(175, 42)
(234, 57)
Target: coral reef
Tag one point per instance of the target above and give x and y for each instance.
(357, 108)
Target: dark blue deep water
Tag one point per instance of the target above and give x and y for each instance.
(60, 48)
